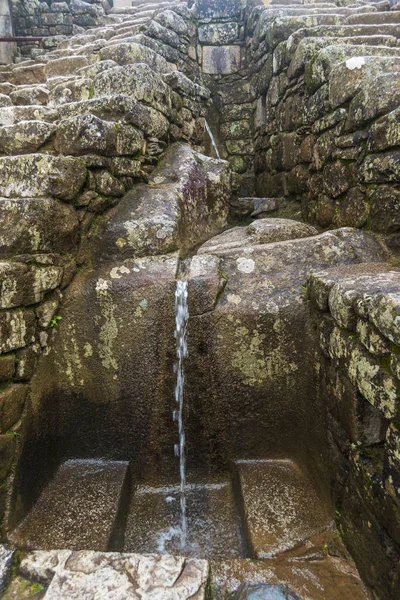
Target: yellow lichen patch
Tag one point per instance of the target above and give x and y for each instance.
(88, 350)
(70, 356)
(108, 331)
(249, 356)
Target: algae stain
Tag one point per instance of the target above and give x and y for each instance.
(249, 356)
(109, 329)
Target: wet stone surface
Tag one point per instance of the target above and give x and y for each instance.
(213, 527)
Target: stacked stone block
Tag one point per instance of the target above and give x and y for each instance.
(327, 120)
(221, 38)
(79, 127)
(53, 19)
(357, 310)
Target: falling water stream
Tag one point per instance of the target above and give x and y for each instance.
(214, 145)
(181, 321)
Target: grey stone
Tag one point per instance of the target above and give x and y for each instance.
(21, 286)
(25, 137)
(384, 312)
(149, 219)
(32, 225)
(30, 95)
(75, 90)
(217, 9)
(138, 81)
(385, 132)
(121, 108)
(263, 231)
(129, 53)
(221, 59)
(381, 95)
(10, 115)
(87, 133)
(381, 168)
(218, 33)
(385, 209)
(41, 175)
(82, 574)
(347, 78)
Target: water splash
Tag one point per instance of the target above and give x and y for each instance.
(214, 145)
(181, 321)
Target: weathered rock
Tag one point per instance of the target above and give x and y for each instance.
(129, 53)
(7, 367)
(186, 202)
(217, 9)
(385, 132)
(174, 21)
(10, 115)
(25, 137)
(218, 33)
(7, 453)
(138, 81)
(347, 78)
(41, 175)
(381, 95)
(21, 286)
(87, 133)
(221, 59)
(65, 66)
(16, 329)
(12, 400)
(121, 108)
(30, 95)
(264, 231)
(82, 574)
(75, 90)
(32, 225)
(30, 74)
(381, 168)
(385, 207)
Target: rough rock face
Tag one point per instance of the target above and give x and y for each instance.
(185, 202)
(84, 574)
(358, 333)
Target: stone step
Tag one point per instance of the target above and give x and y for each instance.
(376, 18)
(280, 506)
(213, 527)
(347, 30)
(80, 509)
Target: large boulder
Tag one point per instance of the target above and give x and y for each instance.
(185, 202)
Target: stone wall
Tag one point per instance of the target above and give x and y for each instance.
(79, 127)
(356, 313)
(327, 122)
(221, 38)
(53, 19)
(307, 107)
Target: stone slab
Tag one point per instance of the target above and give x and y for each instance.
(154, 521)
(280, 505)
(319, 569)
(111, 576)
(221, 59)
(79, 509)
